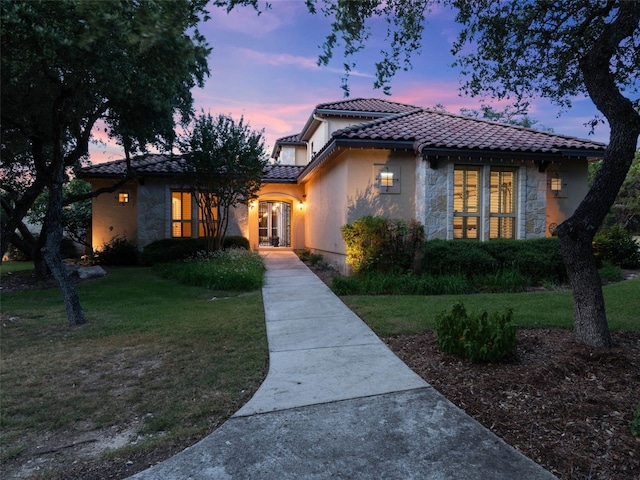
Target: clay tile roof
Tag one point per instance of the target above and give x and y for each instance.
(148, 164)
(370, 105)
(290, 140)
(282, 173)
(440, 130)
(173, 165)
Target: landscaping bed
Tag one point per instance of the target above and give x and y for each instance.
(564, 405)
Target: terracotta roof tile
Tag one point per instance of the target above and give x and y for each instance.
(162, 165)
(290, 140)
(371, 105)
(432, 129)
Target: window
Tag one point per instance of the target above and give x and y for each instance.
(181, 214)
(502, 208)
(466, 202)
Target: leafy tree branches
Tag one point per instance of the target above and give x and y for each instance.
(225, 162)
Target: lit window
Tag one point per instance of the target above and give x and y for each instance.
(502, 209)
(123, 198)
(181, 216)
(466, 212)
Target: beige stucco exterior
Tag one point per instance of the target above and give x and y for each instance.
(115, 219)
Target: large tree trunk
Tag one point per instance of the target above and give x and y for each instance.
(576, 233)
(51, 251)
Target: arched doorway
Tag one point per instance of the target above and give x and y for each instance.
(274, 224)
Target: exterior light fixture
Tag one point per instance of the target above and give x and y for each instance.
(388, 179)
(123, 198)
(300, 205)
(555, 184)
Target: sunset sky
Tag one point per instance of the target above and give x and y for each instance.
(265, 68)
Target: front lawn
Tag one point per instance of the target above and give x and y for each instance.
(158, 366)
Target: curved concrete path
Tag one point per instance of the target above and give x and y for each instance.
(338, 404)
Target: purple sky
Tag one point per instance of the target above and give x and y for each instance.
(264, 68)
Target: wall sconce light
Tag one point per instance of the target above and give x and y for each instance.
(555, 184)
(388, 179)
(123, 198)
(300, 205)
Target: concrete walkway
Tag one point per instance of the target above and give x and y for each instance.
(338, 404)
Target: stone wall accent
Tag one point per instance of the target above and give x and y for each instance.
(533, 202)
(154, 207)
(436, 193)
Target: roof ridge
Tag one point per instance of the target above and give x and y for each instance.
(324, 105)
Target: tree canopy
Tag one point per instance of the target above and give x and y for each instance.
(71, 66)
(225, 163)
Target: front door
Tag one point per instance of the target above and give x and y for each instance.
(274, 224)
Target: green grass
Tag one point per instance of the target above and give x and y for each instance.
(13, 266)
(407, 314)
(171, 359)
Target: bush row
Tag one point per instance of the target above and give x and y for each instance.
(120, 251)
(536, 260)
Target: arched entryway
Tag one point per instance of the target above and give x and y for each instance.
(274, 223)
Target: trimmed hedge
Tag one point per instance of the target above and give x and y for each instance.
(538, 260)
(176, 249)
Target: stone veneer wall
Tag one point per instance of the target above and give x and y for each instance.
(533, 202)
(154, 205)
(436, 190)
(435, 187)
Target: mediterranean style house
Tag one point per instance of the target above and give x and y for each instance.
(460, 177)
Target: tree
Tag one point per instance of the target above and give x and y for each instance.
(225, 163)
(76, 216)
(510, 116)
(71, 65)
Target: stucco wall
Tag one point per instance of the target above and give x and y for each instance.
(347, 191)
(574, 175)
(110, 218)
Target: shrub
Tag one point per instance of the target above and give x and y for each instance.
(377, 244)
(480, 337)
(178, 249)
(364, 240)
(119, 251)
(451, 257)
(532, 261)
(232, 269)
(616, 245)
(610, 272)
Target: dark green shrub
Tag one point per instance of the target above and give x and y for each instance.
(236, 241)
(480, 337)
(119, 251)
(535, 261)
(451, 257)
(609, 272)
(616, 245)
(177, 249)
(509, 280)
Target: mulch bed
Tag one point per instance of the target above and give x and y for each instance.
(564, 405)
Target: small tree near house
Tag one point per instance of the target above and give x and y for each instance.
(225, 161)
